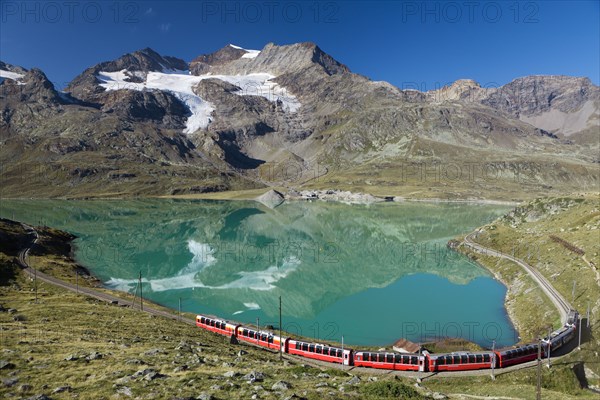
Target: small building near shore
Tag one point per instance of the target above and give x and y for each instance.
(406, 346)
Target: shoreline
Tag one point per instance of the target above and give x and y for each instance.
(508, 304)
(96, 283)
(251, 195)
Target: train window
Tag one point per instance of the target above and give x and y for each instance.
(271, 339)
(479, 358)
(464, 359)
(318, 349)
(202, 320)
(213, 322)
(326, 351)
(404, 359)
(390, 358)
(381, 358)
(264, 337)
(486, 358)
(339, 353)
(398, 358)
(440, 361)
(311, 348)
(456, 359)
(471, 358)
(305, 346)
(448, 360)
(414, 360)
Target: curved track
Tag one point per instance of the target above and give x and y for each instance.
(561, 304)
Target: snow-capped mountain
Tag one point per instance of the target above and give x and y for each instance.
(147, 123)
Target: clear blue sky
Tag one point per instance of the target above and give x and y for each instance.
(412, 44)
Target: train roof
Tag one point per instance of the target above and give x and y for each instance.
(461, 353)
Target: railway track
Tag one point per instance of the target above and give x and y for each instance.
(559, 301)
(149, 309)
(34, 274)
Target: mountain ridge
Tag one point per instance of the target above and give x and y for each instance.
(292, 105)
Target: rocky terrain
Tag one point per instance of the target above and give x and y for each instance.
(292, 116)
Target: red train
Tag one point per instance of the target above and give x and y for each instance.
(425, 361)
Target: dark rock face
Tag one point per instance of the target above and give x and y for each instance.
(147, 105)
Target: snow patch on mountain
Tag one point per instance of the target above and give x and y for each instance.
(10, 75)
(181, 84)
(249, 53)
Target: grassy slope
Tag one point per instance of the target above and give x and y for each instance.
(576, 220)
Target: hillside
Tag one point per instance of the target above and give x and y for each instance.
(561, 238)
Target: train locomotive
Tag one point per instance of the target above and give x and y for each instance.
(422, 362)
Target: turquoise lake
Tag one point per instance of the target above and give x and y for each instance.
(370, 273)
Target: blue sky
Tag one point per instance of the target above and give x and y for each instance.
(412, 44)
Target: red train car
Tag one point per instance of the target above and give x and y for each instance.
(216, 325)
(460, 361)
(319, 351)
(396, 361)
(517, 355)
(261, 338)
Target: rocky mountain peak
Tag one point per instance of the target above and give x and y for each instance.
(12, 68)
(144, 60)
(203, 63)
(537, 94)
(27, 86)
(460, 89)
(273, 59)
(138, 64)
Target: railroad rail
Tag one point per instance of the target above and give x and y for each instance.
(559, 301)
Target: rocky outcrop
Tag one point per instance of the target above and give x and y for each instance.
(271, 199)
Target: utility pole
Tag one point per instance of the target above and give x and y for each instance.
(141, 293)
(280, 344)
(493, 359)
(588, 316)
(579, 346)
(343, 355)
(35, 284)
(257, 329)
(539, 371)
(549, 344)
(573, 293)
